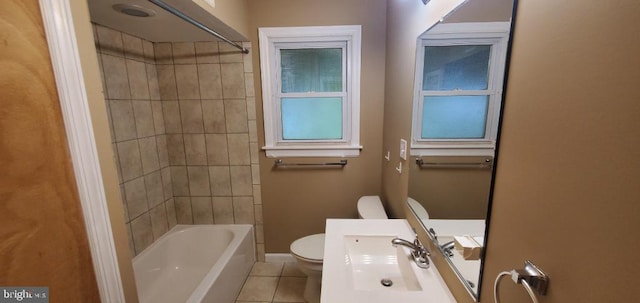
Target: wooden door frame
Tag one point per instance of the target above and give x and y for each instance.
(65, 58)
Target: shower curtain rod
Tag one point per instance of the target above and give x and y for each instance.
(197, 24)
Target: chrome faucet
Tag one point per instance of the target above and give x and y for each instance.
(419, 253)
(447, 248)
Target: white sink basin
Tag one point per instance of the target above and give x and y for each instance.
(358, 255)
(373, 263)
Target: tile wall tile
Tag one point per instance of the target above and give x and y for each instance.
(222, 210)
(195, 149)
(110, 41)
(152, 76)
(138, 82)
(149, 154)
(115, 77)
(239, 149)
(183, 210)
(167, 184)
(243, 211)
(241, 180)
(198, 181)
(180, 181)
(217, 149)
(175, 149)
(184, 52)
(171, 213)
(144, 118)
(158, 117)
(214, 118)
(220, 181)
(236, 115)
(163, 53)
(124, 123)
(142, 232)
(159, 223)
(230, 54)
(172, 121)
(136, 197)
(149, 53)
(232, 80)
(163, 152)
(202, 210)
(191, 116)
(154, 187)
(187, 82)
(210, 81)
(167, 82)
(130, 161)
(207, 52)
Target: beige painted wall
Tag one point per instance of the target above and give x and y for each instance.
(566, 192)
(297, 202)
(451, 192)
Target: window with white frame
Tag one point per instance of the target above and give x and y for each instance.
(311, 90)
(458, 89)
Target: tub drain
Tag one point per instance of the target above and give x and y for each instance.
(386, 282)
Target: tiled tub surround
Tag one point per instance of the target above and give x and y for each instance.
(184, 131)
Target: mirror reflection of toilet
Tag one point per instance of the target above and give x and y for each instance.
(309, 250)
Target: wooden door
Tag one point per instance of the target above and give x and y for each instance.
(43, 240)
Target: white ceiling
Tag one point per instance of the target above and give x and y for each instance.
(163, 27)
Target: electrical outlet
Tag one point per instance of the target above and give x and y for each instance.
(403, 149)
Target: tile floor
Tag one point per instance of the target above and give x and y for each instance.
(273, 283)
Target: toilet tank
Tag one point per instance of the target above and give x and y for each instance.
(370, 207)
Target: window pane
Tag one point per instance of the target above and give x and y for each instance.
(311, 118)
(464, 67)
(454, 117)
(311, 70)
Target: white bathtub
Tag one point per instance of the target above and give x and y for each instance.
(195, 263)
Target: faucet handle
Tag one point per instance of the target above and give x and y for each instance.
(416, 242)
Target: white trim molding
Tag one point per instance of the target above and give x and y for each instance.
(65, 57)
(270, 41)
(276, 258)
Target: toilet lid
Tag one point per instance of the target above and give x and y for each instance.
(309, 247)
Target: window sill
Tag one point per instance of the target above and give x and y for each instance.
(312, 151)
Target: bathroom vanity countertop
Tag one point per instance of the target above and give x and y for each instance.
(343, 281)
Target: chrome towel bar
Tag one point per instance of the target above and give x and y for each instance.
(486, 164)
(280, 163)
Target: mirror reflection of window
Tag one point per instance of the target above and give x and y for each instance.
(459, 80)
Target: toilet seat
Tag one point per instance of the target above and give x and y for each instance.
(309, 248)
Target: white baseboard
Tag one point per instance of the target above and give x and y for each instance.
(274, 258)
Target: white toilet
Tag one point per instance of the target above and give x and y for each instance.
(309, 250)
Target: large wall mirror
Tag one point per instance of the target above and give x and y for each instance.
(458, 94)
